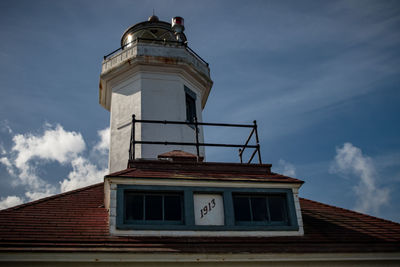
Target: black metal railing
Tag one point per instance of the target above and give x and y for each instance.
(197, 144)
(160, 41)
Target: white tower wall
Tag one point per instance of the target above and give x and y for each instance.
(163, 98)
(150, 80)
(152, 96)
(126, 97)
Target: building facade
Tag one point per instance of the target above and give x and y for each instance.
(162, 203)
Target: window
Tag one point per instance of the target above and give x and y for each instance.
(153, 208)
(190, 104)
(260, 209)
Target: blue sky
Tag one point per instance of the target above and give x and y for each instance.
(320, 77)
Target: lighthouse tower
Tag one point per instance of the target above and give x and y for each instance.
(154, 76)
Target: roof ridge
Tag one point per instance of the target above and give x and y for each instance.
(51, 197)
(120, 172)
(286, 176)
(351, 211)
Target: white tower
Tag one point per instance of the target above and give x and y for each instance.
(155, 76)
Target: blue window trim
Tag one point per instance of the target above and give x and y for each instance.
(188, 209)
(190, 92)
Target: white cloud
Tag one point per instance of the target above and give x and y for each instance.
(350, 160)
(10, 201)
(30, 153)
(84, 173)
(104, 144)
(2, 149)
(99, 152)
(286, 168)
(5, 161)
(5, 127)
(38, 193)
(55, 144)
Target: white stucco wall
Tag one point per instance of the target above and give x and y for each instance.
(152, 95)
(163, 98)
(126, 97)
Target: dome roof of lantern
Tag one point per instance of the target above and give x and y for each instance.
(153, 28)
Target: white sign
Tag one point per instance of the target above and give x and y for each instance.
(208, 209)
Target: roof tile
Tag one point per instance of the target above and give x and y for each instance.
(78, 221)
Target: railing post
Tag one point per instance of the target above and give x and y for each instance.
(197, 137)
(257, 141)
(133, 140)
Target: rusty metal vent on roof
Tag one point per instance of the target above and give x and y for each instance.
(179, 155)
(197, 144)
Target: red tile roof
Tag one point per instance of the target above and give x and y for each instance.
(77, 221)
(203, 171)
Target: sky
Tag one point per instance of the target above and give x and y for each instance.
(320, 77)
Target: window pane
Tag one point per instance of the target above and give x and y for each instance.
(172, 208)
(277, 208)
(259, 208)
(134, 207)
(153, 207)
(190, 108)
(242, 208)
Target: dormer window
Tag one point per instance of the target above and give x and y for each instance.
(204, 208)
(153, 208)
(260, 209)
